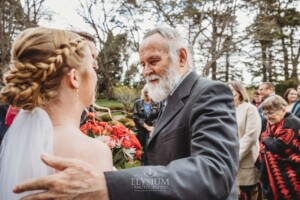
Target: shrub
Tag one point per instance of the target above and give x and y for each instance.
(125, 95)
(129, 115)
(283, 85)
(116, 107)
(104, 117)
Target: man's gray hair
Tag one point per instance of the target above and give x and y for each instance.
(145, 88)
(174, 41)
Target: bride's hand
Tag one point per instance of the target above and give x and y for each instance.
(75, 180)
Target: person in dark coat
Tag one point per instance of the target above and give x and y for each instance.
(145, 113)
(296, 107)
(3, 126)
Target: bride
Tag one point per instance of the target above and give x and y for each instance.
(51, 79)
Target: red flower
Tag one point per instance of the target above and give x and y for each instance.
(109, 129)
(138, 154)
(135, 142)
(91, 115)
(102, 124)
(126, 143)
(123, 143)
(120, 130)
(97, 130)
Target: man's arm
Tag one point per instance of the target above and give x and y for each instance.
(139, 122)
(76, 180)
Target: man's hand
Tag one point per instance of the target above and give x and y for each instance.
(75, 180)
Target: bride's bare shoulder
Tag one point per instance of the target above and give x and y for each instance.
(77, 145)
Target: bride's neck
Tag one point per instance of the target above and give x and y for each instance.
(64, 115)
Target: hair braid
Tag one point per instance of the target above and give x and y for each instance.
(38, 66)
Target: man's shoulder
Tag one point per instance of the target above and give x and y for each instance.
(204, 83)
(138, 101)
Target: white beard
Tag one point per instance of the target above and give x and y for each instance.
(160, 91)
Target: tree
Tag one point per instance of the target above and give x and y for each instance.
(110, 60)
(14, 17)
(103, 17)
(208, 25)
(275, 29)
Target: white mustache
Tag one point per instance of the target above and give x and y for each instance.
(152, 77)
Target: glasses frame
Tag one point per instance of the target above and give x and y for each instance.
(270, 113)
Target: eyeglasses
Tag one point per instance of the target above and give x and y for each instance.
(269, 114)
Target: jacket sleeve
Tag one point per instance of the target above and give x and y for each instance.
(297, 111)
(210, 170)
(252, 132)
(139, 122)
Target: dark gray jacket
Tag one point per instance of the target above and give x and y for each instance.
(193, 151)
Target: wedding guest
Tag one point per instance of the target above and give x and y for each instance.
(257, 99)
(51, 79)
(266, 90)
(279, 151)
(3, 126)
(10, 115)
(296, 108)
(290, 96)
(193, 150)
(249, 127)
(145, 113)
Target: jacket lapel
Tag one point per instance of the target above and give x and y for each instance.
(175, 103)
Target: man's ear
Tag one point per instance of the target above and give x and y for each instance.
(74, 78)
(182, 56)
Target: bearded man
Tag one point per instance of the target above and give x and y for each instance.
(193, 151)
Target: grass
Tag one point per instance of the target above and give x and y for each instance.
(108, 103)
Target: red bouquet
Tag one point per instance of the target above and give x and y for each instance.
(124, 145)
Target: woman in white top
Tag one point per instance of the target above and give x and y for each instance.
(291, 96)
(249, 127)
(51, 79)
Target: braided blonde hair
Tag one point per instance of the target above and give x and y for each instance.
(40, 59)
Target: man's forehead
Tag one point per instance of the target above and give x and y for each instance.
(263, 86)
(152, 51)
(153, 42)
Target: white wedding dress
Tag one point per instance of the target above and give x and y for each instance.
(30, 135)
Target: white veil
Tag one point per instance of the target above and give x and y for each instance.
(30, 135)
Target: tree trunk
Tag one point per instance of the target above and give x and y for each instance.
(264, 61)
(270, 67)
(227, 66)
(285, 56)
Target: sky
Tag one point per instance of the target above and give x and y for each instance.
(64, 15)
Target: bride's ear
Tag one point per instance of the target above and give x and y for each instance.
(73, 76)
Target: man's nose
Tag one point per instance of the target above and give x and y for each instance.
(95, 65)
(147, 70)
